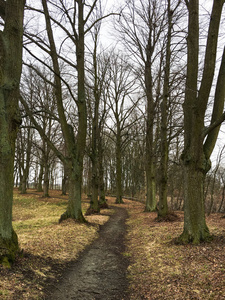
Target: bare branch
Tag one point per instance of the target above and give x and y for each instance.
(41, 131)
(98, 20)
(45, 64)
(217, 123)
(90, 11)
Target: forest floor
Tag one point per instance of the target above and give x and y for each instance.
(132, 254)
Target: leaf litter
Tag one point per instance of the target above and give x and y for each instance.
(159, 269)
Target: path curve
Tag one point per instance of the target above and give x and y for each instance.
(100, 271)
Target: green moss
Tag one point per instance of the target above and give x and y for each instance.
(9, 248)
(194, 238)
(5, 263)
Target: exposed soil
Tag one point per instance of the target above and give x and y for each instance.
(100, 271)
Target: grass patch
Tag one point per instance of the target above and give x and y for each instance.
(48, 247)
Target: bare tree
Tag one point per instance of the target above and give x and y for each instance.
(141, 25)
(73, 25)
(199, 140)
(121, 95)
(97, 110)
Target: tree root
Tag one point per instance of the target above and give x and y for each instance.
(66, 216)
(169, 217)
(194, 239)
(9, 248)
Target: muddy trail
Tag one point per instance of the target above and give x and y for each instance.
(100, 271)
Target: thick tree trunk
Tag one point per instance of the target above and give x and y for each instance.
(46, 181)
(102, 200)
(41, 172)
(24, 185)
(195, 228)
(94, 205)
(74, 209)
(151, 202)
(10, 72)
(8, 238)
(64, 189)
(119, 189)
(26, 168)
(64, 180)
(198, 145)
(163, 205)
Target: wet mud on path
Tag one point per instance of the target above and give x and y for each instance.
(100, 271)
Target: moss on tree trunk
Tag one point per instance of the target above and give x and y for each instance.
(74, 209)
(150, 204)
(195, 228)
(8, 238)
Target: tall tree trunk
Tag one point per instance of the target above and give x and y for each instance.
(46, 180)
(41, 172)
(195, 228)
(163, 205)
(24, 184)
(26, 167)
(119, 190)
(74, 209)
(102, 200)
(94, 205)
(64, 180)
(75, 148)
(10, 72)
(82, 113)
(151, 202)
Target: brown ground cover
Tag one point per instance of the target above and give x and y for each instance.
(47, 246)
(158, 268)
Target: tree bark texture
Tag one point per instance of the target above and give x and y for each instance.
(150, 158)
(102, 200)
(163, 205)
(10, 71)
(119, 191)
(94, 205)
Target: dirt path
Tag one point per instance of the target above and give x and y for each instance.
(100, 271)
